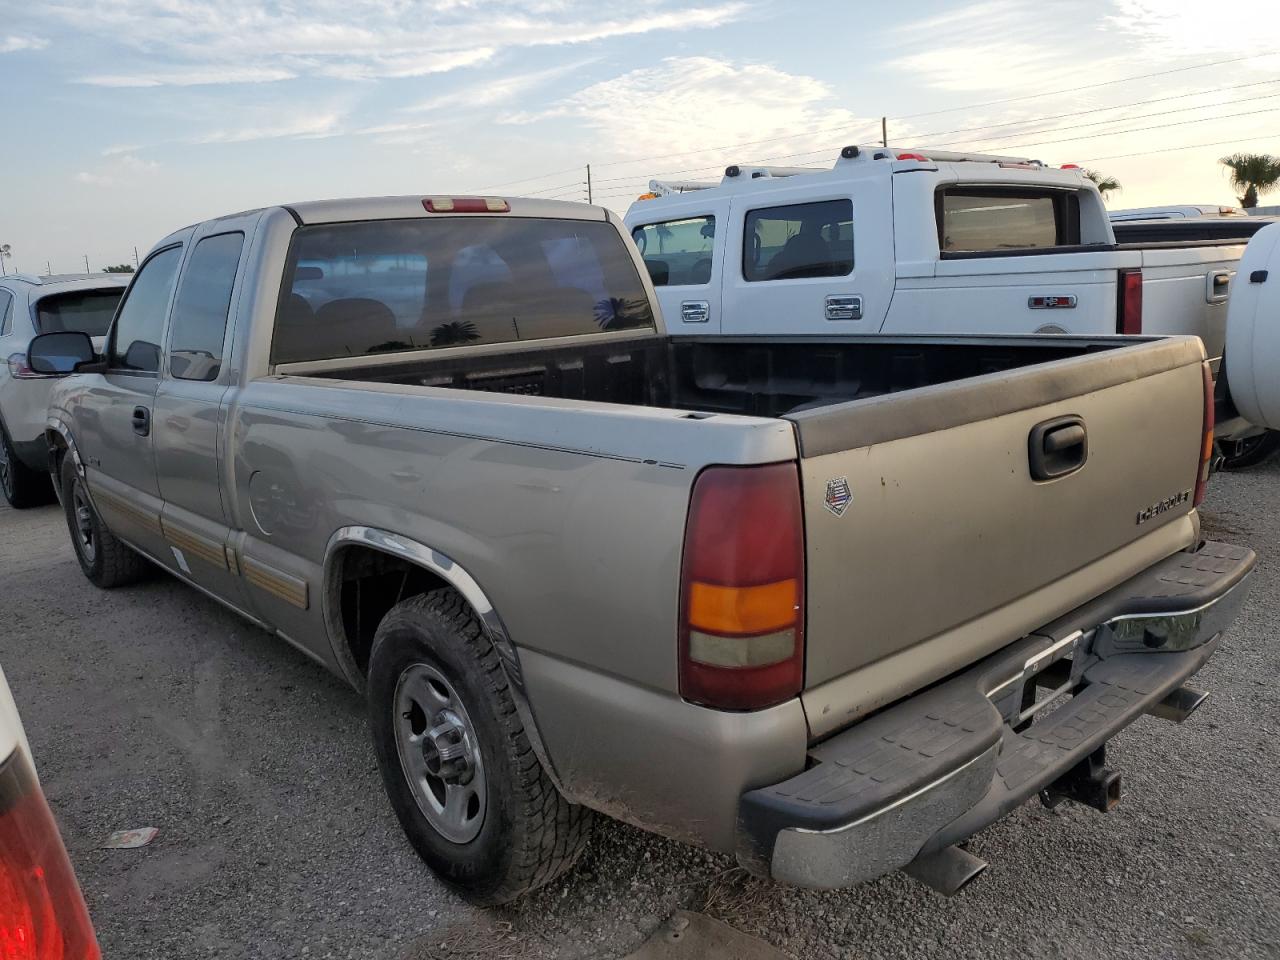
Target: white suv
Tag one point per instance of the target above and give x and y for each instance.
(28, 306)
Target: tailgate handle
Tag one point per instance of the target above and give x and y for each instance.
(1057, 447)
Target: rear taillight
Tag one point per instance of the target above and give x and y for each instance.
(1206, 439)
(742, 588)
(42, 914)
(19, 370)
(1129, 304)
(465, 205)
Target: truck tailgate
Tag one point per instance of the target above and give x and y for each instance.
(922, 514)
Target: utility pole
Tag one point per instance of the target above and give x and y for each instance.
(136, 264)
(48, 269)
(86, 264)
(884, 131)
(588, 183)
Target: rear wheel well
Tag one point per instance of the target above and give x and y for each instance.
(364, 584)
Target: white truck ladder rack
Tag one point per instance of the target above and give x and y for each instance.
(738, 173)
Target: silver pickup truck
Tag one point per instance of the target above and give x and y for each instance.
(813, 602)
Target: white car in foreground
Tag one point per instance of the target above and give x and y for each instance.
(42, 913)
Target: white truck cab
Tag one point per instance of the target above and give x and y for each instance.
(886, 240)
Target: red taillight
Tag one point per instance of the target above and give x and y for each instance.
(42, 914)
(1129, 304)
(465, 205)
(913, 156)
(19, 370)
(1206, 438)
(742, 588)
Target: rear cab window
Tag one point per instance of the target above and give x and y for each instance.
(6, 313)
(982, 220)
(374, 287)
(82, 311)
(798, 240)
(677, 253)
(200, 310)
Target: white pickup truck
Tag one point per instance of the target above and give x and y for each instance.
(890, 241)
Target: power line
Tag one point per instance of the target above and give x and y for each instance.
(1080, 113)
(542, 176)
(1117, 133)
(1124, 119)
(563, 186)
(1089, 86)
(1186, 146)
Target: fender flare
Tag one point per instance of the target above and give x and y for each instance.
(452, 573)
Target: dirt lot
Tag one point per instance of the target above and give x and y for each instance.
(153, 706)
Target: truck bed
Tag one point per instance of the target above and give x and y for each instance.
(754, 376)
(930, 436)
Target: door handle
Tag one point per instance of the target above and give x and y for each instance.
(1057, 447)
(843, 308)
(142, 421)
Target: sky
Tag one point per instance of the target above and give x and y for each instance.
(129, 121)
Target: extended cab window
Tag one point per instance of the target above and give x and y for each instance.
(678, 252)
(135, 345)
(200, 311)
(982, 219)
(799, 240)
(88, 311)
(353, 289)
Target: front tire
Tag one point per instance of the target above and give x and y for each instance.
(21, 486)
(1251, 451)
(456, 762)
(103, 557)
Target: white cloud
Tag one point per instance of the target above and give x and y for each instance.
(199, 41)
(13, 43)
(495, 90)
(1194, 29)
(190, 77)
(96, 179)
(312, 126)
(702, 103)
(122, 165)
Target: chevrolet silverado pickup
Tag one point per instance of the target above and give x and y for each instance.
(812, 603)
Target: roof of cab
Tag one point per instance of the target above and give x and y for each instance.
(400, 208)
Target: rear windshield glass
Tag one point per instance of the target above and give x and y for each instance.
(85, 311)
(972, 220)
(353, 289)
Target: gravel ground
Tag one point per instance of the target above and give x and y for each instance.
(153, 706)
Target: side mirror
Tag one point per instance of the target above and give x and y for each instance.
(58, 354)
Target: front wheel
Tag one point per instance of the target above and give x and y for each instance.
(1250, 451)
(456, 761)
(104, 558)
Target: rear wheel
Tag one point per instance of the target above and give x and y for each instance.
(103, 557)
(22, 486)
(456, 762)
(1250, 451)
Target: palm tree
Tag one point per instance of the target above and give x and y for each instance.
(1254, 173)
(1104, 183)
(454, 332)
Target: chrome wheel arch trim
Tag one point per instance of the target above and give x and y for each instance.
(452, 573)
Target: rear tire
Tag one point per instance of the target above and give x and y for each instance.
(104, 558)
(1251, 451)
(22, 486)
(448, 738)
